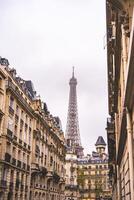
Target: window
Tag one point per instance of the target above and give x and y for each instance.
(22, 178)
(20, 133)
(25, 135)
(15, 130)
(22, 114)
(19, 155)
(8, 147)
(26, 119)
(51, 161)
(4, 174)
(12, 176)
(17, 110)
(30, 121)
(29, 137)
(11, 103)
(45, 159)
(10, 124)
(27, 159)
(14, 152)
(24, 157)
(42, 157)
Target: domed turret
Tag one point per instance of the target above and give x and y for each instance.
(100, 145)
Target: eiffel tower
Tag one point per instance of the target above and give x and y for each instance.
(72, 136)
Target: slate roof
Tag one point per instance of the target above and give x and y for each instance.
(100, 141)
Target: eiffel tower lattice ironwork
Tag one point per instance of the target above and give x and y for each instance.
(73, 140)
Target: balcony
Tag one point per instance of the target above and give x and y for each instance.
(43, 171)
(9, 134)
(84, 190)
(7, 157)
(71, 187)
(11, 110)
(56, 177)
(3, 184)
(19, 163)
(14, 161)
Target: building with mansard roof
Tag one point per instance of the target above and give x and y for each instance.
(120, 72)
(32, 148)
(92, 178)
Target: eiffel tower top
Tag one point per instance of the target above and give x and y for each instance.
(73, 140)
(73, 80)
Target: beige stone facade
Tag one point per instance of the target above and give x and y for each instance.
(71, 187)
(120, 125)
(93, 177)
(32, 150)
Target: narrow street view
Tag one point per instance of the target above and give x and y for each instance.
(67, 100)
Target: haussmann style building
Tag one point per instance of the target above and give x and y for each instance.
(120, 124)
(93, 173)
(32, 149)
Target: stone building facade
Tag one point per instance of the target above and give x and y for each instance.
(32, 150)
(93, 172)
(120, 125)
(71, 184)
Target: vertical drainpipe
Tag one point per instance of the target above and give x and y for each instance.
(130, 150)
(124, 54)
(117, 166)
(118, 182)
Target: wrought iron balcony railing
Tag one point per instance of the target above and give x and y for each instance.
(71, 187)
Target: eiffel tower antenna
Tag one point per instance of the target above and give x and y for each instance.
(73, 72)
(73, 140)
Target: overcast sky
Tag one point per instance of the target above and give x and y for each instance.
(43, 39)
